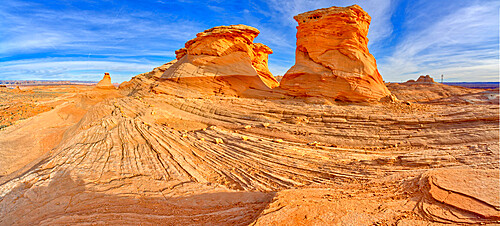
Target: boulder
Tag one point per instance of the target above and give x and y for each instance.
(223, 61)
(332, 58)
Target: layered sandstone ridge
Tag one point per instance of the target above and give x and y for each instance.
(332, 58)
(223, 60)
(105, 82)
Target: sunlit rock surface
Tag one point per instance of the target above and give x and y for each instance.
(223, 61)
(332, 58)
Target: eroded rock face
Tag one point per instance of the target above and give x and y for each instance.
(223, 60)
(332, 58)
(105, 82)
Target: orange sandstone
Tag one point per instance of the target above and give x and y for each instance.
(332, 58)
(17, 89)
(425, 79)
(105, 82)
(223, 61)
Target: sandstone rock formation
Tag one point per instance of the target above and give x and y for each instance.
(155, 159)
(427, 79)
(105, 82)
(17, 90)
(152, 153)
(223, 61)
(425, 89)
(332, 58)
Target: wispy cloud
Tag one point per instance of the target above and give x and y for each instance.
(73, 69)
(80, 40)
(379, 10)
(461, 43)
(46, 29)
(101, 40)
(278, 69)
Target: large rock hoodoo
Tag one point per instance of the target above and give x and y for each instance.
(332, 58)
(223, 61)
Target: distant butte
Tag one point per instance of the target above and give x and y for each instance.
(332, 58)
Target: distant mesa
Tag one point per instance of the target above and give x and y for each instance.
(105, 82)
(332, 58)
(223, 61)
(427, 79)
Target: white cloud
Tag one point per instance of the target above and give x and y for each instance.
(278, 69)
(25, 43)
(71, 31)
(462, 44)
(73, 69)
(105, 40)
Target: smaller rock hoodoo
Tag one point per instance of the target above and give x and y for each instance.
(105, 82)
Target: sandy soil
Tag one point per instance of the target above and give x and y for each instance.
(31, 101)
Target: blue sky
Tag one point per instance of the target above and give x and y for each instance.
(80, 40)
